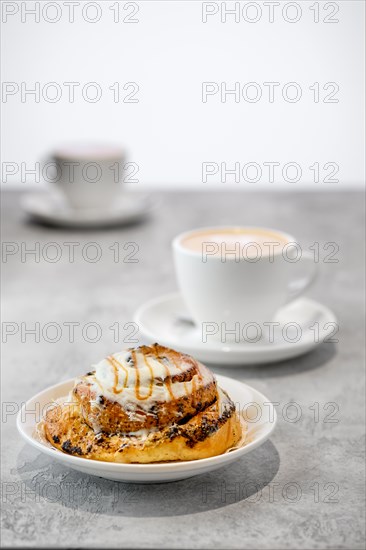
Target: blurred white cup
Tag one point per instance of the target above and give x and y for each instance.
(88, 176)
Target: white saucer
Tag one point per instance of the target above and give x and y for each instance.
(48, 208)
(165, 320)
(258, 431)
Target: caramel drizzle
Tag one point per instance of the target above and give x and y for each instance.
(137, 382)
(199, 373)
(181, 369)
(194, 385)
(194, 391)
(168, 382)
(116, 364)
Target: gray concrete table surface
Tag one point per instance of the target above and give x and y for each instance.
(302, 489)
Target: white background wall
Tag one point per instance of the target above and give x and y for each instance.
(169, 53)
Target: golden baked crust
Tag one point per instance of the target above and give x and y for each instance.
(201, 424)
(210, 432)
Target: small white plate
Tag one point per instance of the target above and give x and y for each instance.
(242, 395)
(303, 325)
(48, 208)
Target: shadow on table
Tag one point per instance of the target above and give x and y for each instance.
(30, 222)
(310, 361)
(46, 480)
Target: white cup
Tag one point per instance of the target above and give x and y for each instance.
(88, 176)
(223, 288)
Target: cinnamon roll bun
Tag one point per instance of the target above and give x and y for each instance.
(146, 404)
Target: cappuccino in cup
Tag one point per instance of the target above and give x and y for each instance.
(230, 275)
(235, 242)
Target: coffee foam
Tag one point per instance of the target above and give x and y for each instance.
(251, 242)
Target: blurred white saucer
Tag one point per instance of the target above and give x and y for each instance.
(165, 320)
(49, 208)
